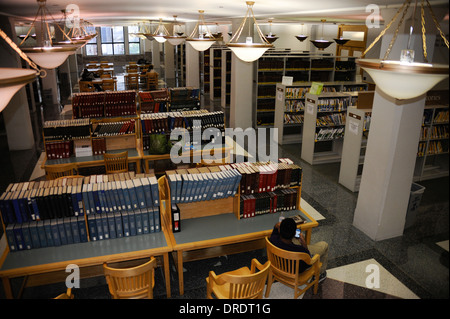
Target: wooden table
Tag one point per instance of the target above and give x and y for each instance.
(134, 156)
(218, 235)
(47, 265)
(100, 71)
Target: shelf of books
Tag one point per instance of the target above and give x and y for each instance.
(244, 189)
(226, 80)
(324, 125)
(357, 129)
(153, 101)
(104, 104)
(433, 149)
(78, 210)
(183, 99)
(302, 67)
(215, 71)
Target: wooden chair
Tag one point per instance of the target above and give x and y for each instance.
(131, 68)
(132, 81)
(116, 163)
(108, 84)
(86, 86)
(106, 76)
(66, 295)
(56, 171)
(285, 269)
(152, 80)
(242, 283)
(131, 283)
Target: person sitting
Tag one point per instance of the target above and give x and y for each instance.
(283, 236)
(89, 76)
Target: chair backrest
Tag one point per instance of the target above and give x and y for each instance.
(116, 163)
(66, 295)
(285, 264)
(247, 286)
(106, 76)
(132, 80)
(108, 84)
(86, 86)
(131, 283)
(54, 172)
(152, 80)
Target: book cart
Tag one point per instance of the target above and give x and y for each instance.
(215, 227)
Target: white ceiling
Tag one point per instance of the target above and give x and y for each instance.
(101, 12)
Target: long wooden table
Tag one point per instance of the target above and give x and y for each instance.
(212, 236)
(51, 262)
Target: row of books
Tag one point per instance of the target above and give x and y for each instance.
(153, 101)
(114, 128)
(101, 104)
(98, 146)
(62, 149)
(441, 117)
(161, 122)
(333, 105)
(367, 120)
(325, 134)
(26, 203)
(268, 203)
(294, 106)
(46, 233)
(334, 119)
(204, 183)
(293, 118)
(436, 147)
(66, 129)
(437, 132)
(268, 177)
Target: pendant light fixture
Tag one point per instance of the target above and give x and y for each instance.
(248, 50)
(177, 36)
(197, 39)
(321, 43)
(47, 56)
(404, 78)
(161, 32)
(271, 37)
(301, 37)
(13, 79)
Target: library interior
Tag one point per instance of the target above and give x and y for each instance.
(228, 150)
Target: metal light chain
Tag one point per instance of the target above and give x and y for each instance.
(385, 29)
(437, 24)
(388, 51)
(424, 37)
(42, 73)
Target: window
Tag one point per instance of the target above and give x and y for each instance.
(91, 46)
(134, 45)
(112, 39)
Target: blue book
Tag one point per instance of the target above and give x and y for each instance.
(140, 194)
(157, 219)
(55, 233)
(132, 223)
(184, 188)
(62, 231)
(126, 195)
(101, 198)
(133, 195)
(92, 224)
(119, 190)
(125, 224)
(151, 219)
(119, 226)
(97, 204)
(68, 228)
(171, 178)
(32, 200)
(9, 231)
(155, 192)
(84, 193)
(41, 233)
(18, 235)
(138, 218)
(179, 186)
(82, 229)
(147, 191)
(16, 207)
(111, 225)
(23, 204)
(90, 190)
(190, 186)
(195, 188)
(7, 209)
(114, 193)
(72, 221)
(99, 224)
(105, 225)
(145, 224)
(32, 226)
(49, 232)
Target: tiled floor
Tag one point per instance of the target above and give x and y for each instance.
(411, 266)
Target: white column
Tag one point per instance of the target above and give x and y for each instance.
(192, 62)
(389, 166)
(16, 115)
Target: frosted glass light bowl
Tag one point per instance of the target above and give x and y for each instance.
(403, 80)
(200, 44)
(249, 52)
(49, 57)
(11, 81)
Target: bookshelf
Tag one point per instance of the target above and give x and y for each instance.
(153, 101)
(215, 71)
(104, 104)
(79, 210)
(226, 82)
(184, 98)
(323, 128)
(303, 67)
(355, 142)
(433, 149)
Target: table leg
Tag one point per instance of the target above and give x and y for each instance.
(7, 288)
(167, 274)
(180, 271)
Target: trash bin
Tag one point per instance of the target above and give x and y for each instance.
(414, 202)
